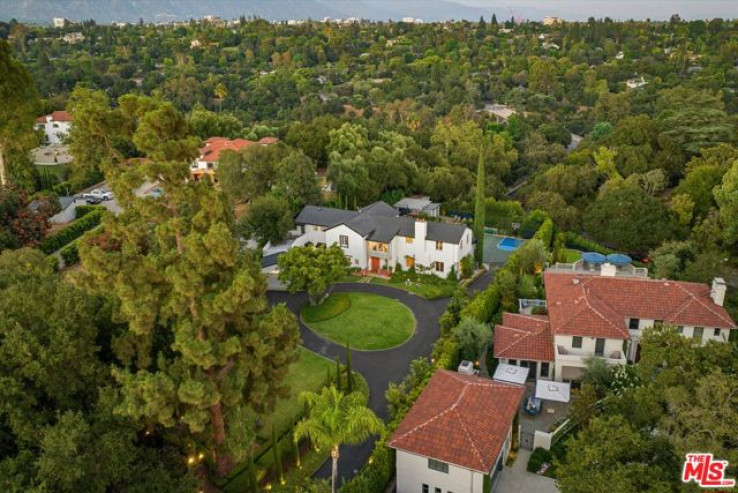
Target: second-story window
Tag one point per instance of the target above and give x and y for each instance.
(697, 334)
(437, 465)
(576, 342)
(634, 323)
(343, 241)
(409, 239)
(717, 332)
(439, 245)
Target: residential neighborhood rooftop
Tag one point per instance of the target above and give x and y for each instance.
(523, 337)
(378, 222)
(598, 306)
(460, 419)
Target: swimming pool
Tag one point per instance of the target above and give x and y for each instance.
(508, 244)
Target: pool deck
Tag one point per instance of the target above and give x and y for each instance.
(492, 254)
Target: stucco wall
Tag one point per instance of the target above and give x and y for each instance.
(413, 472)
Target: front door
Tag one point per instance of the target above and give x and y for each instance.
(375, 263)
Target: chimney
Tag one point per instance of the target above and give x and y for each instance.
(421, 230)
(717, 293)
(608, 270)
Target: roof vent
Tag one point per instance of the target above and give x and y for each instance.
(575, 280)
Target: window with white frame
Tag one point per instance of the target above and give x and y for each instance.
(439, 245)
(343, 240)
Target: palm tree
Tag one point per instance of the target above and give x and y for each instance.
(335, 419)
(220, 93)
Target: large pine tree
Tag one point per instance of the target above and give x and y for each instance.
(202, 343)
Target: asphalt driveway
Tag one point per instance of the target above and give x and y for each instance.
(378, 367)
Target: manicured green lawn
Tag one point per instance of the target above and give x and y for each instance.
(426, 290)
(572, 255)
(333, 306)
(371, 322)
(308, 373)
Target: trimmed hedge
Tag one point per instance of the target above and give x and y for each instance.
(545, 233)
(71, 233)
(578, 242)
(484, 305)
(82, 210)
(53, 262)
(70, 254)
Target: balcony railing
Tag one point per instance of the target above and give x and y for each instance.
(579, 355)
(526, 306)
(582, 267)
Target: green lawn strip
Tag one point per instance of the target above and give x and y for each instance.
(426, 290)
(331, 307)
(572, 255)
(372, 322)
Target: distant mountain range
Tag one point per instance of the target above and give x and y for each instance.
(107, 11)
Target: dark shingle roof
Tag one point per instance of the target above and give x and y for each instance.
(447, 233)
(323, 216)
(378, 222)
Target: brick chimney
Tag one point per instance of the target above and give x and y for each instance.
(717, 292)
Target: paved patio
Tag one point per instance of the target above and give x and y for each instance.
(517, 479)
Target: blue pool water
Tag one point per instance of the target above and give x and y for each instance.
(508, 244)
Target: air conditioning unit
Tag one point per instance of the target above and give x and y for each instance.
(466, 367)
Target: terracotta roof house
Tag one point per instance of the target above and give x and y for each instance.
(525, 340)
(457, 435)
(55, 126)
(207, 163)
(377, 238)
(602, 314)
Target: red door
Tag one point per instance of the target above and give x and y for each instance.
(375, 263)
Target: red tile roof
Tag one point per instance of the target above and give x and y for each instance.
(61, 116)
(598, 306)
(215, 145)
(460, 419)
(526, 337)
(56, 116)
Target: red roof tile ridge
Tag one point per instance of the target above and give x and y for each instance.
(598, 313)
(460, 418)
(526, 335)
(698, 300)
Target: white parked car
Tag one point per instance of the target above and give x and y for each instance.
(100, 193)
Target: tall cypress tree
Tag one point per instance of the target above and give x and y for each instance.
(479, 209)
(349, 375)
(338, 374)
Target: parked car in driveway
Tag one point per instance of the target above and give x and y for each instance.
(103, 193)
(92, 199)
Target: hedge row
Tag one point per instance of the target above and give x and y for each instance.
(70, 254)
(82, 210)
(71, 233)
(578, 242)
(545, 233)
(484, 305)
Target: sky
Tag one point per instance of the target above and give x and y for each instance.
(620, 9)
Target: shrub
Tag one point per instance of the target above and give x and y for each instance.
(72, 232)
(538, 457)
(467, 266)
(53, 262)
(484, 305)
(70, 254)
(452, 276)
(82, 210)
(532, 223)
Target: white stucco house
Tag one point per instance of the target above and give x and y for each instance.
(376, 238)
(602, 313)
(457, 436)
(55, 126)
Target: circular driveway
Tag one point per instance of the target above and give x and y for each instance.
(378, 367)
